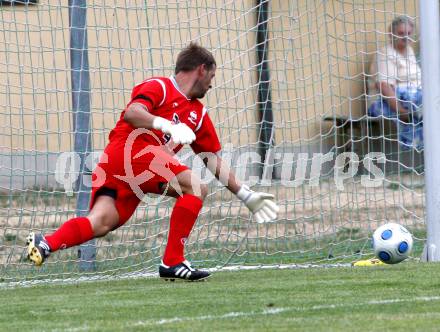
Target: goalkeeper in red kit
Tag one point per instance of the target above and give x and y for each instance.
(163, 114)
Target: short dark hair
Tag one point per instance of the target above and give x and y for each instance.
(193, 56)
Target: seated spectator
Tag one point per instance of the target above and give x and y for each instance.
(396, 84)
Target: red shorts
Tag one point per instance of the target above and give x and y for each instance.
(146, 173)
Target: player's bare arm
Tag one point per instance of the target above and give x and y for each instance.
(138, 116)
(262, 205)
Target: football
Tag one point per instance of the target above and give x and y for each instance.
(392, 243)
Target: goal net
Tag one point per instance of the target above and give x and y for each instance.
(289, 102)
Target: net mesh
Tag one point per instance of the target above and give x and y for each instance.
(319, 54)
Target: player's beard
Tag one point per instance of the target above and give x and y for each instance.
(200, 91)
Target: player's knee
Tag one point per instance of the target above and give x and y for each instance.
(104, 216)
(103, 224)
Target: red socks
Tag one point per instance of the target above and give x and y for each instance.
(183, 217)
(73, 232)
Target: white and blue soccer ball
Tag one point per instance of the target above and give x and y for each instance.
(392, 243)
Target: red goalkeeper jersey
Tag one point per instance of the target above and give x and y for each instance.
(163, 98)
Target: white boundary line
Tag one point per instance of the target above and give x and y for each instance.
(275, 311)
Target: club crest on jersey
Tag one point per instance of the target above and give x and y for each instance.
(192, 117)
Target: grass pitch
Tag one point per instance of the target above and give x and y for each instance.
(401, 297)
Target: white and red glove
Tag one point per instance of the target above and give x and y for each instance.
(180, 133)
(262, 205)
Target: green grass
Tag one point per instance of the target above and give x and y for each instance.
(402, 297)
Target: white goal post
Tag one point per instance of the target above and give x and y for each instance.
(430, 49)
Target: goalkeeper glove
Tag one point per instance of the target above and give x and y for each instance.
(180, 133)
(262, 205)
